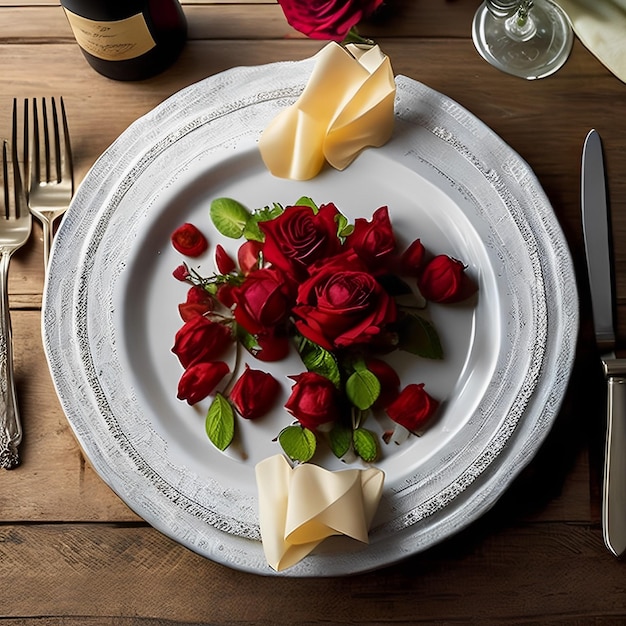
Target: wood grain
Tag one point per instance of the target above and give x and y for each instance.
(46, 22)
(72, 553)
(122, 572)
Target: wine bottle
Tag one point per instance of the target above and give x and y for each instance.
(128, 39)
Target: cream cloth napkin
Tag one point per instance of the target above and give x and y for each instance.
(300, 507)
(601, 27)
(346, 106)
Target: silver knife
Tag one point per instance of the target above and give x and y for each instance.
(596, 220)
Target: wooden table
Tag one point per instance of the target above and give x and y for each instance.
(71, 552)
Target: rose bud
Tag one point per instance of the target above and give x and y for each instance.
(313, 400)
(374, 242)
(198, 295)
(188, 240)
(412, 259)
(388, 379)
(198, 302)
(200, 339)
(444, 280)
(262, 301)
(199, 380)
(224, 263)
(254, 393)
(181, 273)
(413, 407)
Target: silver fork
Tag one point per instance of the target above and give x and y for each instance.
(15, 227)
(48, 165)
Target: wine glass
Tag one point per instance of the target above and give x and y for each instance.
(526, 38)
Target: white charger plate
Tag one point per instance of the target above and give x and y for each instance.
(110, 315)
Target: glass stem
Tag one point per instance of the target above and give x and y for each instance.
(520, 25)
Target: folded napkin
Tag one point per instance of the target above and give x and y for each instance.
(601, 27)
(346, 106)
(300, 507)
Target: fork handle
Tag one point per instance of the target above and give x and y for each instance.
(47, 228)
(10, 426)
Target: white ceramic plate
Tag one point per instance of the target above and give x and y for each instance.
(110, 315)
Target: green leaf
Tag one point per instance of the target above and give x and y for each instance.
(365, 444)
(340, 440)
(220, 422)
(344, 228)
(362, 388)
(418, 336)
(317, 359)
(252, 230)
(299, 443)
(347, 231)
(306, 201)
(229, 217)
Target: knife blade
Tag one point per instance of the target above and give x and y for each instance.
(597, 238)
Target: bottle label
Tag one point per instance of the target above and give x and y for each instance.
(118, 40)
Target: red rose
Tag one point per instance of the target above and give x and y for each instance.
(188, 240)
(327, 19)
(342, 304)
(413, 407)
(444, 280)
(388, 379)
(199, 380)
(262, 301)
(313, 400)
(299, 237)
(412, 259)
(200, 339)
(374, 241)
(254, 393)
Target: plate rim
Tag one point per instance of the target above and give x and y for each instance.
(313, 567)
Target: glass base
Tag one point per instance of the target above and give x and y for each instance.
(533, 51)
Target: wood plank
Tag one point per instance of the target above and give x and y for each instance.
(49, 24)
(487, 573)
(257, 20)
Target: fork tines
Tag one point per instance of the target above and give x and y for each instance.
(11, 172)
(46, 146)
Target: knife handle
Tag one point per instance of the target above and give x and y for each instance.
(614, 496)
